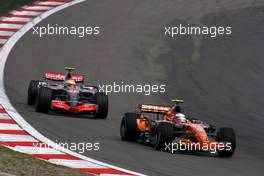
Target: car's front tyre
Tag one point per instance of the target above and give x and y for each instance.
(226, 136)
(164, 135)
(32, 92)
(101, 99)
(43, 101)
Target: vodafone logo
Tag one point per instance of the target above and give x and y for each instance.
(77, 78)
(54, 76)
(61, 77)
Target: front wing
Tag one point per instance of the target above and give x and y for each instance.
(60, 105)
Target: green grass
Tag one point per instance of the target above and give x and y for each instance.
(21, 164)
(8, 5)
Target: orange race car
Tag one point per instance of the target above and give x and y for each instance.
(167, 129)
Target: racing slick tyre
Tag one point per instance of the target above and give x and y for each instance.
(226, 135)
(128, 127)
(43, 102)
(32, 92)
(164, 135)
(101, 99)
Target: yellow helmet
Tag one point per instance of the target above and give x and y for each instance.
(70, 81)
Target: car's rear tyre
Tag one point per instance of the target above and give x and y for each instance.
(164, 135)
(128, 127)
(226, 135)
(32, 92)
(101, 99)
(43, 101)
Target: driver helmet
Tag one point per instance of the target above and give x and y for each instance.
(180, 117)
(70, 83)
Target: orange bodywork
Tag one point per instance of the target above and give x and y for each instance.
(193, 132)
(183, 134)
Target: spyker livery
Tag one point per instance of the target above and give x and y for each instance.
(71, 95)
(167, 128)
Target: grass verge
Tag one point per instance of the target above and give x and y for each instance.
(21, 164)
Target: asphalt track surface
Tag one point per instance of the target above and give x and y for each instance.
(220, 79)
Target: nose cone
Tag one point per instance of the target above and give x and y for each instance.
(74, 103)
(73, 98)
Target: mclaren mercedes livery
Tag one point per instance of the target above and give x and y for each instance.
(71, 95)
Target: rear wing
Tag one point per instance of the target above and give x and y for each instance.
(157, 109)
(61, 77)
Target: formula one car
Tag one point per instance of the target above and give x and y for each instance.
(70, 96)
(171, 131)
